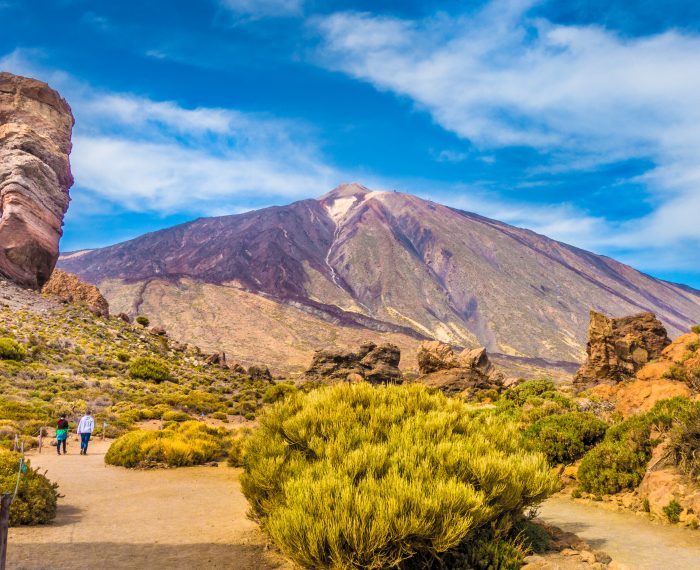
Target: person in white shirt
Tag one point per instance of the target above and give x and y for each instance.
(85, 429)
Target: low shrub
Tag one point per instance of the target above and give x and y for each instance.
(179, 445)
(123, 356)
(684, 443)
(673, 511)
(695, 329)
(237, 446)
(277, 392)
(36, 498)
(143, 320)
(176, 416)
(353, 476)
(149, 368)
(10, 349)
(563, 438)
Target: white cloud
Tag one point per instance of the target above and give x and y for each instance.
(264, 8)
(158, 156)
(579, 94)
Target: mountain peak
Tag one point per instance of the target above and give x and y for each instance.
(351, 190)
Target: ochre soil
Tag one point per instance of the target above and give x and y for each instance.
(116, 518)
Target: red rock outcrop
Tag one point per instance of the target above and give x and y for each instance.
(618, 347)
(35, 141)
(375, 364)
(71, 289)
(454, 373)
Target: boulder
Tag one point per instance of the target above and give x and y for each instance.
(35, 176)
(468, 371)
(260, 373)
(124, 317)
(618, 347)
(158, 331)
(375, 364)
(69, 288)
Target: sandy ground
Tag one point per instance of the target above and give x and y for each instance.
(629, 539)
(117, 518)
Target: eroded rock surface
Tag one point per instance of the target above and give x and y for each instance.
(454, 373)
(618, 347)
(69, 288)
(373, 363)
(35, 142)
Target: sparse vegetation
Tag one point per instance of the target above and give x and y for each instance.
(695, 329)
(355, 476)
(36, 496)
(673, 511)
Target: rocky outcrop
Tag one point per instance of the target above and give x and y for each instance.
(455, 373)
(70, 289)
(375, 364)
(35, 141)
(260, 373)
(618, 347)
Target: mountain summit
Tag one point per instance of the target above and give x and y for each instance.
(358, 260)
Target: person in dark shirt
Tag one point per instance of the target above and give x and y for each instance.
(61, 434)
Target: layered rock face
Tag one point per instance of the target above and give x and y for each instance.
(375, 364)
(454, 373)
(71, 289)
(619, 347)
(35, 142)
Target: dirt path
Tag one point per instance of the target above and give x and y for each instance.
(630, 539)
(115, 518)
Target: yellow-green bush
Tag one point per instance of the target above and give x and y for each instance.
(149, 368)
(352, 476)
(10, 349)
(36, 497)
(179, 445)
(563, 438)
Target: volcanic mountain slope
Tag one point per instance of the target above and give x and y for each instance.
(384, 264)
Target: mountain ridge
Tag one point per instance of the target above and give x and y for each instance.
(398, 263)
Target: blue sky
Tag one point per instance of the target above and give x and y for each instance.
(577, 119)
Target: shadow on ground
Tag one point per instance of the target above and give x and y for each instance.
(91, 555)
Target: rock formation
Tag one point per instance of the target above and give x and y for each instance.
(260, 373)
(70, 289)
(454, 373)
(618, 347)
(35, 141)
(375, 364)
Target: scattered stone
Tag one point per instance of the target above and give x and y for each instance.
(35, 141)
(618, 347)
(124, 317)
(70, 289)
(375, 364)
(158, 331)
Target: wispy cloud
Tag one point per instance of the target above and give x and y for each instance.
(159, 156)
(581, 95)
(264, 8)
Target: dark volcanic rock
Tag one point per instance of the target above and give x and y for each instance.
(260, 373)
(452, 374)
(375, 364)
(618, 347)
(35, 131)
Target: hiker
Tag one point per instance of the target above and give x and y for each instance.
(85, 428)
(61, 434)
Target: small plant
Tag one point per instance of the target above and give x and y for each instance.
(646, 507)
(10, 349)
(563, 438)
(149, 368)
(123, 356)
(143, 320)
(695, 329)
(673, 511)
(277, 392)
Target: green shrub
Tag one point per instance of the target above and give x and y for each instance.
(36, 497)
(352, 476)
(143, 320)
(695, 329)
(565, 437)
(123, 356)
(149, 368)
(237, 446)
(179, 445)
(277, 392)
(684, 443)
(673, 511)
(11, 350)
